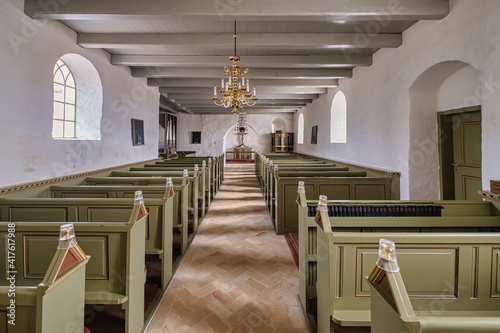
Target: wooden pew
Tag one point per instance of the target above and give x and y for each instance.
(114, 275)
(191, 182)
(159, 240)
(216, 163)
(348, 186)
(203, 174)
(454, 245)
(193, 187)
(52, 305)
(474, 307)
(268, 177)
(206, 164)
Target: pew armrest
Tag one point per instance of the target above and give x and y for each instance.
(154, 250)
(97, 297)
(355, 318)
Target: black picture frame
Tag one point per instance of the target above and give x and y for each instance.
(137, 132)
(314, 135)
(195, 137)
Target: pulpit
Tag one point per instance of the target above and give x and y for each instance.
(281, 142)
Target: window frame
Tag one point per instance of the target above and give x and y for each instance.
(68, 117)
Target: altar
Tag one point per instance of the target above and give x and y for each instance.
(241, 152)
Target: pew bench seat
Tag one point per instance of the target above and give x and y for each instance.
(96, 297)
(459, 321)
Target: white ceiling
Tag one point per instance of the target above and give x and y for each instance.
(294, 49)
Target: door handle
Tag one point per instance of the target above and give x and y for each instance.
(456, 165)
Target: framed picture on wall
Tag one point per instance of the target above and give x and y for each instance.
(137, 132)
(314, 135)
(196, 137)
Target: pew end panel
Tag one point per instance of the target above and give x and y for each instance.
(52, 305)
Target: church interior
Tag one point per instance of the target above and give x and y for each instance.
(320, 166)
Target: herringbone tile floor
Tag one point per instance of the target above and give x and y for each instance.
(237, 276)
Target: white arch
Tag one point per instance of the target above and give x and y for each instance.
(278, 124)
(428, 94)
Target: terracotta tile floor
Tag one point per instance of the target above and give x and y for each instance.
(237, 276)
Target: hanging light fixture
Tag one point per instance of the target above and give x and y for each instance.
(235, 90)
(241, 125)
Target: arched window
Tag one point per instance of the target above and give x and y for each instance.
(338, 119)
(300, 130)
(77, 99)
(64, 102)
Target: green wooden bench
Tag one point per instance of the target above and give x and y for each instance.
(216, 164)
(269, 178)
(159, 240)
(193, 188)
(442, 255)
(203, 174)
(115, 273)
(191, 182)
(208, 173)
(355, 187)
(474, 307)
(47, 306)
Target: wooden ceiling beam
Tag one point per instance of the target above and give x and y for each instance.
(245, 41)
(305, 61)
(256, 10)
(253, 73)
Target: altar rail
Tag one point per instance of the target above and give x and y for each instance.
(233, 155)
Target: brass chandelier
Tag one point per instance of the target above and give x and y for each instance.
(236, 90)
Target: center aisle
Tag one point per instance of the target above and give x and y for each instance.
(238, 275)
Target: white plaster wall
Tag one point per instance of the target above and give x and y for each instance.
(28, 51)
(217, 132)
(378, 103)
(442, 87)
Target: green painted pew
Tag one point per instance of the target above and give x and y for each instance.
(115, 273)
(474, 309)
(216, 163)
(159, 239)
(208, 173)
(193, 188)
(50, 305)
(355, 187)
(191, 182)
(91, 204)
(443, 254)
(203, 174)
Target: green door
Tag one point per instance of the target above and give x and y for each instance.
(467, 155)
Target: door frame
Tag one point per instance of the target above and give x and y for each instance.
(445, 150)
